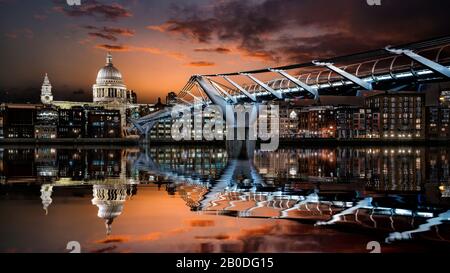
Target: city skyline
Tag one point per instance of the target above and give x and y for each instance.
(225, 129)
(159, 45)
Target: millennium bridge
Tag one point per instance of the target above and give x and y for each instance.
(393, 68)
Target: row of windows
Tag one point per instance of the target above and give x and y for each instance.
(394, 99)
(110, 92)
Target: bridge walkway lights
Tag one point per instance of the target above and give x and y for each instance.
(434, 66)
(299, 83)
(220, 89)
(269, 89)
(240, 88)
(345, 74)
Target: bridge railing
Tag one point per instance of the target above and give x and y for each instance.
(372, 67)
(383, 65)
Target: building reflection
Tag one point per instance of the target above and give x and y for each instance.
(162, 165)
(380, 168)
(387, 189)
(393, 189)
(192, 195)
(51, 165)
(46, 196)
(110, 200)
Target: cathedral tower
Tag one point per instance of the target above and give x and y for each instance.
(46, 91)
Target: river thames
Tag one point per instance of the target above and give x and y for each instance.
(199, 199)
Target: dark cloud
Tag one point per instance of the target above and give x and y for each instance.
(119, 31)
(93, 8)
(220, 50)
(201, 64)
(113, 47)
(289, 30)
(263, 55)
(109, 33)
(103, 36)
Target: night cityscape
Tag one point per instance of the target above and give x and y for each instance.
(209, 127)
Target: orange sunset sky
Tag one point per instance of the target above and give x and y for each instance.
(158, 45)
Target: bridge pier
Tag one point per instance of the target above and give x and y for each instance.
(241, 149)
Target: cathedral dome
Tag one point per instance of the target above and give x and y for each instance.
(109, 74)
(109, 86)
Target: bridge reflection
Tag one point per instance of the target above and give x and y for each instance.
(389, 190)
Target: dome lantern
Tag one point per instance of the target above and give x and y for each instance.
(109, 59)
(109, 86)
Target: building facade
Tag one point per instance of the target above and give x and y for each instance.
(2, 118)
(445, 98)
(438, 122)
(72, 122)
(289, 120)
(50, 122)
(109, 92)
(18, 121)
(402, 114)
(46, 123)
(357, 123)
(46, 91)
(317, 122)
(103, 123)
(131, 97)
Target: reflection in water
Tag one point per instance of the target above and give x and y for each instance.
(110, 200)
(434, 222)
(46, 196)
(398, 192)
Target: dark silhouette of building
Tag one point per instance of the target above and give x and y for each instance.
(171, 98)
(19, 121)
(159, 105)
(103, 123)
(2, 119)
(71, 123)
(438, 122)
(131, 97)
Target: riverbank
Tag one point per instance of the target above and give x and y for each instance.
(319, 142)
(71, 141)
(282, 142)
(363, 142)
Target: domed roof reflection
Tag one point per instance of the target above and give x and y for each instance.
(110, 200)
(46, 196)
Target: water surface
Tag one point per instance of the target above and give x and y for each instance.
(203, 199)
